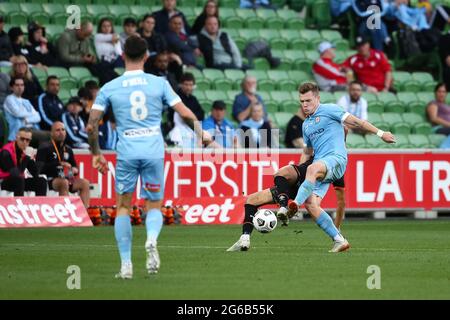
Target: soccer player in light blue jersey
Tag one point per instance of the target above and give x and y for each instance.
(137, 100)
(323, 135)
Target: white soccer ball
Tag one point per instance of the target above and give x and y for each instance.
(264, 221)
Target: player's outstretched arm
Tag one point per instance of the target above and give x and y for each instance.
(98, 161)
(191, 120)
(366, 126)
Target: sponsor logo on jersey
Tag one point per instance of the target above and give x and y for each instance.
(142, 132)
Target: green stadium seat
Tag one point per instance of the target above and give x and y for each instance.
(355, 141)
(412, 118)
(312, 36)
(64, 95)
(271, 19)
(269, 34)
(249, 34)
(213, 74)
(254, 23)
(425, 97)
(79, 73)
(261, 64)
(99, 11)
(401, 77)
(35, 12)
(373, 141)
(39, 72)
(245, 13)
(233, 22)
(120, 11)
(265, 95)
(281, 96)
(287, 85)
(331, 35)
(386, 97)
(327, 97)
(68, 83)
(266, 85)
(139, 10)
(258, 74)
(341, 45)
(231, 94)
(425, 79)
(227, 4)
(203, 84)
(437, 139)
(282, 118)
(227, 12)
(312, 55)
(377, 121)
(422, 128)
(320, 14)
(291, 19)
(402, 141)
(271, 106)
(420, 141)
(401, 128)
(412, 85)
(223, 84)
(277, 75)
(294, 55)
(195, 72)
(299, 76)
(289, 106)
(394, 106)
(53, 31)
(58, 71)
(214, 95)
(392, 118)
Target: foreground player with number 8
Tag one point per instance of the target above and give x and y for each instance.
(137, 101)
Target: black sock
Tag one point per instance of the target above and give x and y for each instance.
(282, 187)
(250, 211)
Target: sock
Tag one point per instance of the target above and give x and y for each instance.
(250, 211)
(153, 224)
(123, 233)
(282, 187)
(304, 192)
(325, 222)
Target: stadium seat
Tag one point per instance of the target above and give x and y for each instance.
(203, 84)
(68, 83)
(245, 13)
(412, 118)
(139, 10)
(401, 128)
(281, 96)
(214, 95)
(98, 12)
(394, 106)
(392, 118)
(35, 12)
(265, 95)
(287, 85)
(402, 141)
(119, 11)
(271, 106)
(64, 95)
(266, 85)
(425, 97)
(299, 76)
(327, 97)
(373, 141)
(258, 74)
(58, 71)
(53, 31)
(39, 72)
(422, 128)
(79, 73)
(377, 121)
(420, 141)
(282, 118)
(437, 139)
(213, 74)
(231, 94)
(355, 141)
(277, 75)
(195, 72)
(425, 79)
(223, 84)
(331, 35)
(291, 106)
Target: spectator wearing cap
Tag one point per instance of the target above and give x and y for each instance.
(129, 29)
(50, 106)
(6, 50)
(40, 50)
(329, 75)
(163, 16)
(186, 93)
(76, 130)
(371, 67)
(220, 128)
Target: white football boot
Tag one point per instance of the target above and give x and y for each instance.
(153, 261)
(243, 244)
(126, 271)
(340, 246)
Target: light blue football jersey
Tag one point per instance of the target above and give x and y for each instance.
(324, 131)
(137, 100)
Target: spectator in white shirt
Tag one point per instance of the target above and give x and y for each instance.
(354, 103)
(107, 44)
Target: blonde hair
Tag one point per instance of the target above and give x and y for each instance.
(21, 59)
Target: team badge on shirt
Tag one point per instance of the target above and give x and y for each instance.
(317, 119)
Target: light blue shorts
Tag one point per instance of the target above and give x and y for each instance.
(335, 170)
(152, 177)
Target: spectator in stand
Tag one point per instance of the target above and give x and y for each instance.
(180, 43)
(6, 50)
(437, 18)
(438, 111)
(129, 29)
(444, 51)
(16, 37)
(221, 129)
(294, 132)
(107, 44)
(379, 35)
(329, 75)
(40, 50)
(371, 67)
(256, 4)
(74, 48)
(257, 131)
(354, 103)
(182, 135)
(155, 41)
(87, 95)
(162, 68)
(14, 161)
(19, 112)
(4, 88)
(339, 7)
(163, 16)
(76, 130)
(107, 135)
(50, 106)
(219, 49)
(56, 160)
(210, 9)
(21, 69)
(244, 101)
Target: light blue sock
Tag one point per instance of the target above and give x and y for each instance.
(325, 222)
(124, 235)
(304, 192)
(153, 223)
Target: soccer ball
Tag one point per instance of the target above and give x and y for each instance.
(264, 221)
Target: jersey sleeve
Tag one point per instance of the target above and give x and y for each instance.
(102, 101)
(337, 113)
(170, 98)
(306, 140)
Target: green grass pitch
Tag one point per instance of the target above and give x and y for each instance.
(289, 263)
